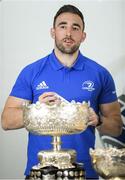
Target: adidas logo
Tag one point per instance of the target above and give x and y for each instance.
(42, 85)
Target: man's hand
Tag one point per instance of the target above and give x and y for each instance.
(93, 117)
(49, 98)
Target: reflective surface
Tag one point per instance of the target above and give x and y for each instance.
(56, 119)
(109, 163)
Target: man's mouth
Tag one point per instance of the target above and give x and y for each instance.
(68, 41)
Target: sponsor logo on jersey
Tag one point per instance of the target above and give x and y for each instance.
(88, 85)
(42, 85)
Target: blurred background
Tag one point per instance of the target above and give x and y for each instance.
(25, 37)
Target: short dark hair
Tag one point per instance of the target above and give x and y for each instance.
(69, 9)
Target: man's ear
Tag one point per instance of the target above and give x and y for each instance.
(52, 32)
(83, 37)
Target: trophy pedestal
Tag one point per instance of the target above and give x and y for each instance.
(61, 159)
(57, 164)
(54, 173)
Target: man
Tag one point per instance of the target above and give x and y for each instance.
(73, 76)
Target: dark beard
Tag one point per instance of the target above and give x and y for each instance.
(65, 50)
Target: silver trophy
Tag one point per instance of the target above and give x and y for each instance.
(56, 120)
(109, 163)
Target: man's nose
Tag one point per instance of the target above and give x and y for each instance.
(68, 31)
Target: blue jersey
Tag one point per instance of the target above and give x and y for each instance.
(86, 81)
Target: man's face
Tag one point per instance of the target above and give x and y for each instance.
(68, 33)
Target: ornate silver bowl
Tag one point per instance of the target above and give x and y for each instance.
(56, 119)
(109, 163)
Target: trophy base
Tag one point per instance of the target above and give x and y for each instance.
(62, 159)
(54, 173)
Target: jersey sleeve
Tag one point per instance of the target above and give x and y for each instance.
(22, 87)
(108, 91)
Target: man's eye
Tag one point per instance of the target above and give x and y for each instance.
(75, 28)
(62, 27)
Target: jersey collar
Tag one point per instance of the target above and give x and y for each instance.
(55, 63)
